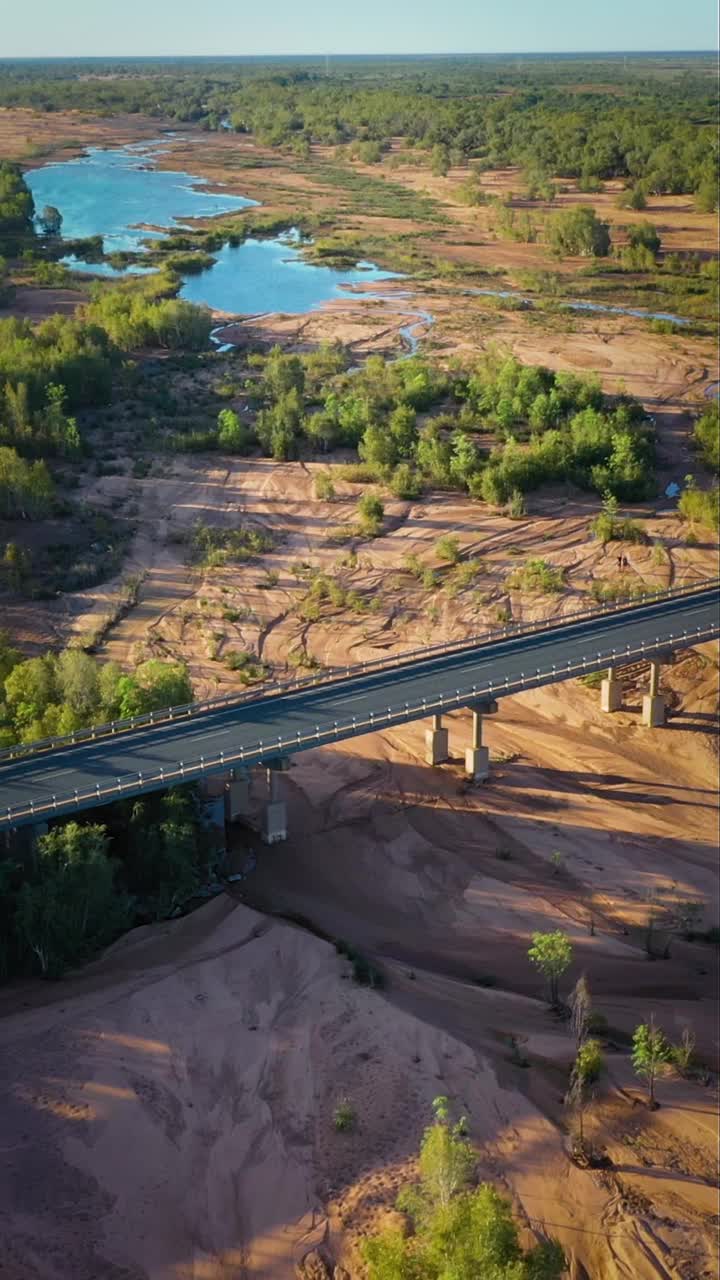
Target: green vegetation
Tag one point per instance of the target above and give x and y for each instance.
(650, 1055)
(706, 435)
(578, 233)
(456, 1230)
(84, 883)
(344, 1116)
(608, 527)
(210, 548)
(537, 576)
(700, 506)
(552, 954)
(58, 693)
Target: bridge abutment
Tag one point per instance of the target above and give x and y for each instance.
(436, 742)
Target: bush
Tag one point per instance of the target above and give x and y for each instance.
(344, 1116)
(324, 487)
(578, 232)
(372, 513)
(448, 548)
(538, 576)
(706, 434)
(700, 506)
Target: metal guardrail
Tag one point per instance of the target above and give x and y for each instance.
(186, 771)
(277, 687)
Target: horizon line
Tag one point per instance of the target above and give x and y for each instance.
(407, 53)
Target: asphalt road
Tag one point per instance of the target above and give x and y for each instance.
(267, 726)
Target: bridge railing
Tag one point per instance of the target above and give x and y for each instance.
(509, 631)
(266, 748)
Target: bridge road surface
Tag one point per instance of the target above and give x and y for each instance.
(276, 724)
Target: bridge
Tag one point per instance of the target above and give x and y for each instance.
(60, 777)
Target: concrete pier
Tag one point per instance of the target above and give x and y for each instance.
(237, 795)
(653, 703)
(477, 757)
(436, 742)
(611, 693)
(274, 825)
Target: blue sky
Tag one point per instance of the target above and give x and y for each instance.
(135, 27)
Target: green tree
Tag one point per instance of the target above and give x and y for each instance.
(458, 1234)
(154, 686)
(50, 220)
(16, 565)
(78, 685)
(233, 436)
(72, 907)
(578, 232)
(706, 434)
(650, 1055)
(552, 954)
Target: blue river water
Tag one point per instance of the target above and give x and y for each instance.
(119, 195)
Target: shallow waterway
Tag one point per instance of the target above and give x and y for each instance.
(120, 195)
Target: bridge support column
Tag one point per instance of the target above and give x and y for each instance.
(477, 757)
(653, 703)
(436, 742)
(237, 795)
(274, 825)
(611, 693)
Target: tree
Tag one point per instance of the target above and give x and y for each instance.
(552, 954)
(706, 196)
(77, 679)
(706, 434)
(50, 220)
(154, 686)
(73, 906)
(446, 1160)
(578, 232)
(632, 198)
(580, 1009)
(233, 436)
(458, 1234)
(644, 235)
(650, 1055)
(16, 565)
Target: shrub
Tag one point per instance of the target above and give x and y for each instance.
(344, 1116)
(324, 487)
(538, 576)
(371, 512)
(448, 548)
(701, 506)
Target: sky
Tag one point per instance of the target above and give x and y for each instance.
(79, 28)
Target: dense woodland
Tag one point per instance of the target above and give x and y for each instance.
(642, 118)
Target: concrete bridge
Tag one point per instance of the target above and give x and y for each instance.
(60, 777)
